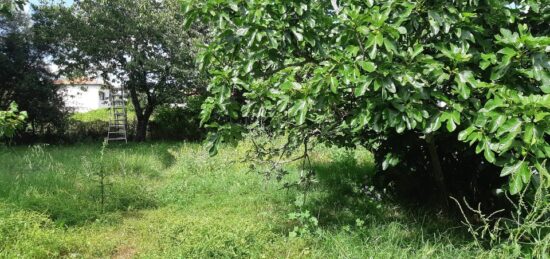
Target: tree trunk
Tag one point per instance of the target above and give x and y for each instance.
(143, 114)
(141, 128)
(437, 170)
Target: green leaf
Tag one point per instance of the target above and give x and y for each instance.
(507, 51)
(492, 104)
(434, 125)
(299, 36)
(368, 66)
(249, 66)
(463, 79)
(417, 49)
(300, 110)
(506, 142)
(214, 143)
(512, 125)
(402, 30)
(333, 84)
(451, 126)
(464, 91)
(529, 134)
(390, 160)
(373, 51)
(379, 39)
(390, 46)
(360, 91)
(241, 32)
(511, 169)
(463, 135)
(519, 177)
(234, 6)
(496, 123)
(489, 155)
(516, 184)
(525, 173)
(363, 30)
(390, 85)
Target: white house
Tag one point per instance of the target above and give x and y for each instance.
(83, 95)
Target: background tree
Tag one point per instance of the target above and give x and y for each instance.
(24, 75)
(402, 77)
(142, 44)
(8, 6)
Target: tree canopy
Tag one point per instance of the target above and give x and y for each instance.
(24, 74)
(348, 72)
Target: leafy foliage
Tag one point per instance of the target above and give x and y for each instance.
(353, 71)
(8, 6)
(11, 120)
(25, 77)
(178, 123)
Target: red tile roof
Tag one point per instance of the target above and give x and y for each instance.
(79, 81)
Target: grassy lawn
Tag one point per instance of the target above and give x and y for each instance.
(172, 200)
(103, 114)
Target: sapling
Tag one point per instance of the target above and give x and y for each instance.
(98, 171)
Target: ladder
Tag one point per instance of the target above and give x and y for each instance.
(118, 124)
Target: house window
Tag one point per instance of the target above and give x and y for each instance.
(102, 96)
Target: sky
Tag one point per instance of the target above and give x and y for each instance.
(67, 2)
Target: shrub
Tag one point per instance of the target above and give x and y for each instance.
(95, 130)
(178, 123)
(11, 120)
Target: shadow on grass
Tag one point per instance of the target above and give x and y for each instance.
(341, 195)
(344, 196)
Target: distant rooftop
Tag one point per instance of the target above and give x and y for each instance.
(79, 81)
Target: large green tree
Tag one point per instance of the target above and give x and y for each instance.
(350, 72)
(141, 44)
(24, 74)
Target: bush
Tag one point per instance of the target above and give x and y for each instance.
(178, 123)
(95, 130)
(11, 120)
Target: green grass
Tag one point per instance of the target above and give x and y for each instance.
(102, 114)
(171, 200)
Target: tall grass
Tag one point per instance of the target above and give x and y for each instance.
(171, 200)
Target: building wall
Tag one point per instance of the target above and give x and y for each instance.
(84, 98)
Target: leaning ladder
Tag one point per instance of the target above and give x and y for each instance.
(118, 124)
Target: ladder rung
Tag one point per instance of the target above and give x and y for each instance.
(117, 129)
(122, 138)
